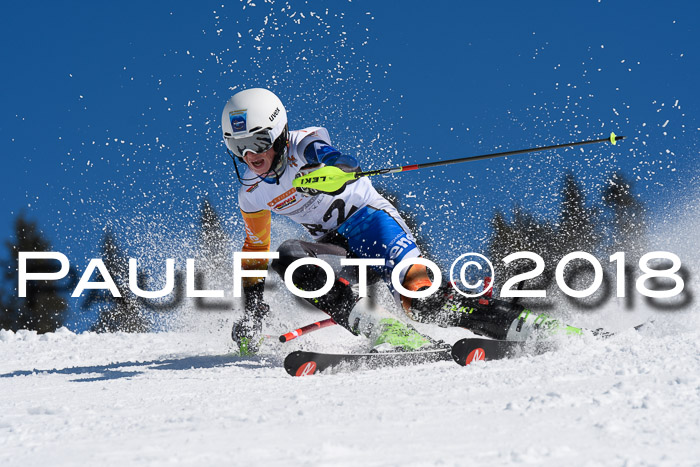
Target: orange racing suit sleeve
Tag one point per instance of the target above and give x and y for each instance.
(257, 239)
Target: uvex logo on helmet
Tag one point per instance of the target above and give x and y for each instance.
(274, 114)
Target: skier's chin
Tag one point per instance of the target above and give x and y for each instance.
(263, 173)
(261, 170)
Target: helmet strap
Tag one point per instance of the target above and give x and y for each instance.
(242, 181)
(257, 178)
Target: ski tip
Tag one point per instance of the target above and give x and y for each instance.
(466, 351)
(300, 364)
(476, 355)
(306, 369)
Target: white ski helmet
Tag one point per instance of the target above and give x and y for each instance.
(255, 120)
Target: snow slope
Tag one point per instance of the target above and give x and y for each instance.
(182, 399)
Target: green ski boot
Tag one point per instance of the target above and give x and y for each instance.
(385, 332)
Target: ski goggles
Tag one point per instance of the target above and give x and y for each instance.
(255, 143)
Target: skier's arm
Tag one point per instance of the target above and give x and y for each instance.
(318, 152)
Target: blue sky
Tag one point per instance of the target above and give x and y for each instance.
(111, 111)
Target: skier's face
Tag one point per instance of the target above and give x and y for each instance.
(260, 163)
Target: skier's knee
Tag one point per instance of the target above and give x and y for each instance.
(306, 277)
(416, 279)
(289, 251)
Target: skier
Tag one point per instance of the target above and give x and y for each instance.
(354, 221)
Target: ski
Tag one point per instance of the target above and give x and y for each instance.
(469, 350)
(463, 352)
(472, 349)
(301, 363)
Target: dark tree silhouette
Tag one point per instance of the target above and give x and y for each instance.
(213, 257)
(628, 226)
(578, 228)
(125, 313)
(577, 224)
(524, 233)
(45, 306)
(214, 241)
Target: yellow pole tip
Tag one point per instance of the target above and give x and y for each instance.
(612, 139)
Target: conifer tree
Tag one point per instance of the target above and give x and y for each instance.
(628, 225)
(577, 223)
(214, 256)
(575, 230)
(125, 313)
(45, 306)
(215, 242)
(524, 233)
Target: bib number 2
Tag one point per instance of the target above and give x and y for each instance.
(337, 205)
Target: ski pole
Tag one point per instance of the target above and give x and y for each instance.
(329, 178)
(307, 329)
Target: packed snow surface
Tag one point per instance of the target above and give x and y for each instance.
(183, 399)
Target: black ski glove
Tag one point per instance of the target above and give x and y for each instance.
(254, 305)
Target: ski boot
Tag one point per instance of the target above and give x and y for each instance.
(385, 332)
(247, 331)
(247, 334)
(488, 317)
(343, 304)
